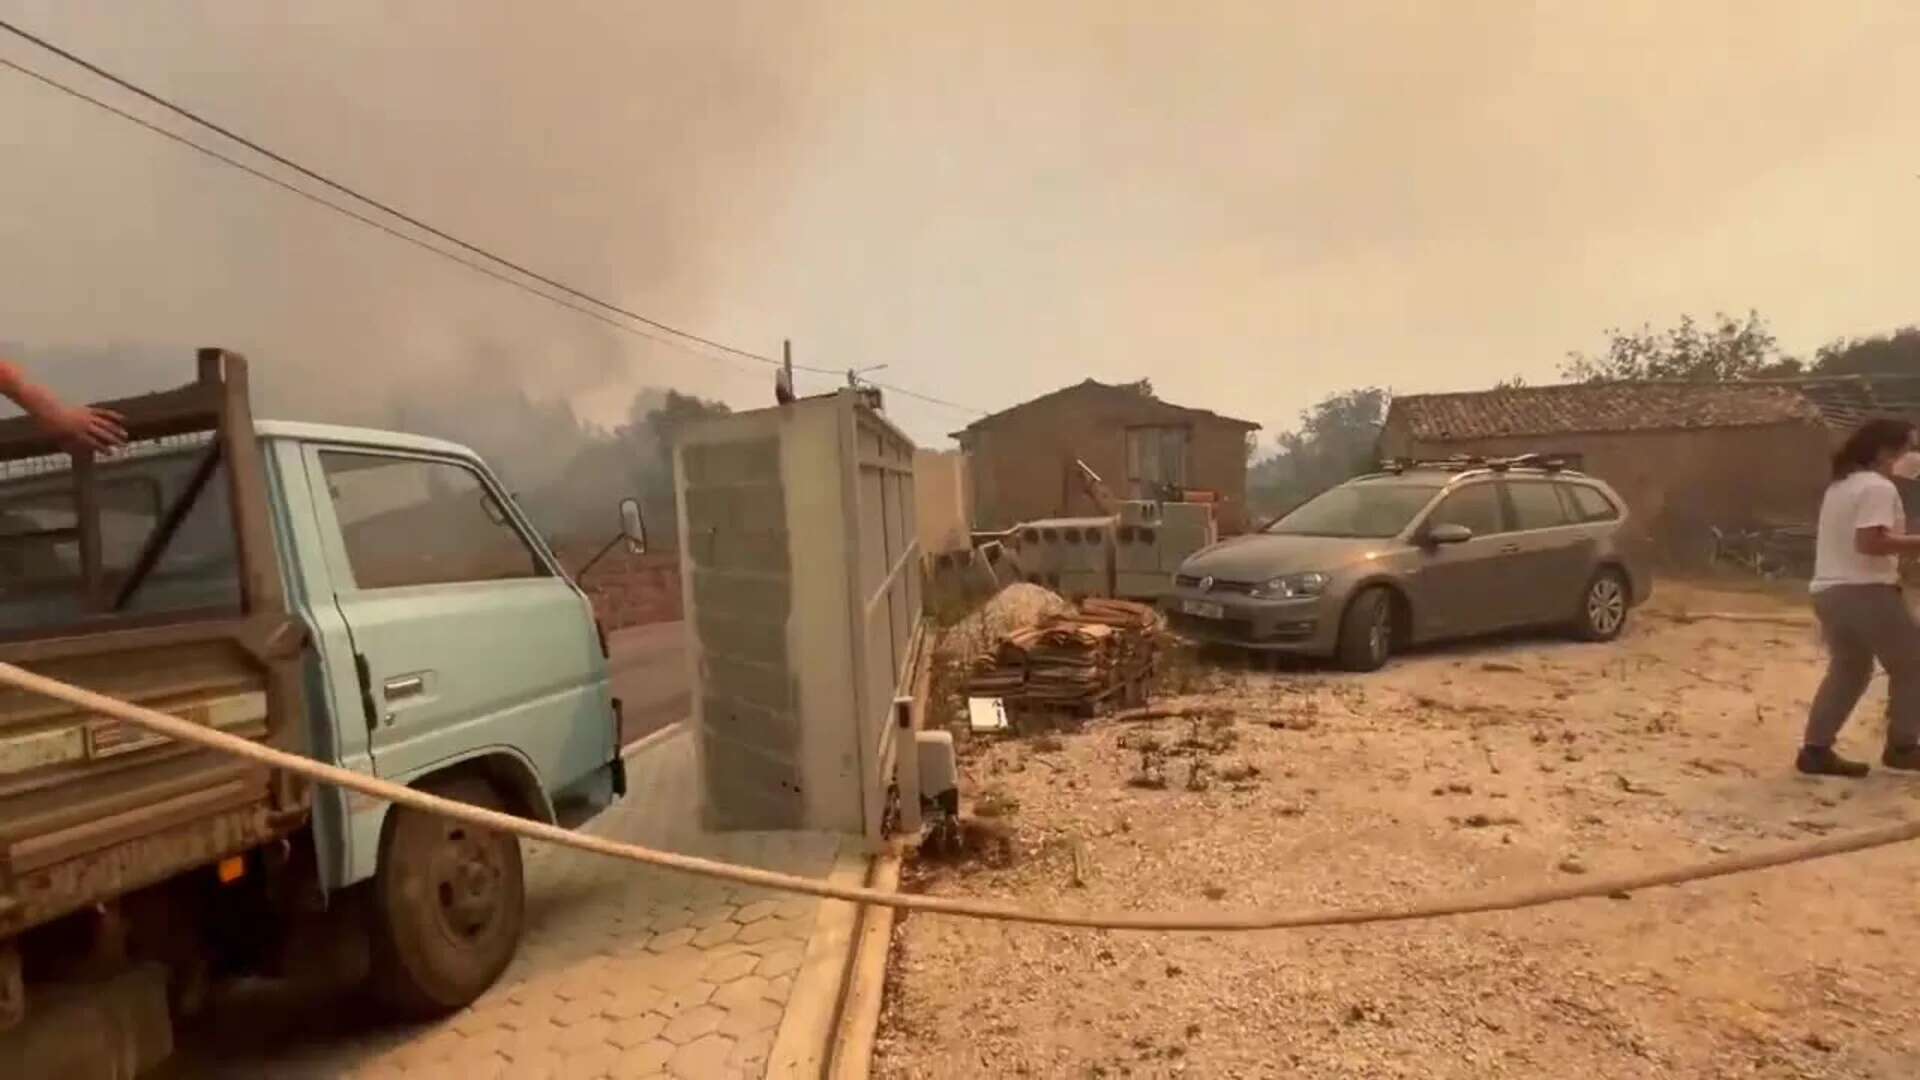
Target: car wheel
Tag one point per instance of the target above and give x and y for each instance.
(1603, 607)
(1366, 632)
(447, 906)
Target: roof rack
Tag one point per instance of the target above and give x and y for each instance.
(1472, 462)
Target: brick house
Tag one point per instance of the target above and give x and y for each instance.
(1685, 456)
(1020, 460)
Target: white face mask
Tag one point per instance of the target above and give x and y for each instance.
(1908, 466)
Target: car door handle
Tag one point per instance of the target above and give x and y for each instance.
(1510, 549)
(405, 686)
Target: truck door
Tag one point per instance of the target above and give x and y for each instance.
(464, 635)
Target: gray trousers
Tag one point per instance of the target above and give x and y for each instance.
(1864, 623)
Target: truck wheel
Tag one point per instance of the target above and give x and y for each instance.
(1603, 607)
(1366, 632)
(446, 906)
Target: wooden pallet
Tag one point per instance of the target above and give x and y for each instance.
(1129, 691)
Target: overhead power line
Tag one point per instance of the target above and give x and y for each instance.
(320, 178)
(397, 234)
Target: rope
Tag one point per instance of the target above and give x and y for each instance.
(320, 772)
(1798, 622)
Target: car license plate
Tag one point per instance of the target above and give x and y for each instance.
(1203, 608)
(111, 738)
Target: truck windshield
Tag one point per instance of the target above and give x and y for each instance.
(1374, 509)
(43, 584)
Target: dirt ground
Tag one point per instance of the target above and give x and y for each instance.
(1484, 767)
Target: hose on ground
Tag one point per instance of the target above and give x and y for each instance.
(320, 772)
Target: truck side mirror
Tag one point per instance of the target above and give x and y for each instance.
(632, 526)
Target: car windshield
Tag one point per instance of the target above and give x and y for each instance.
(1371, 508)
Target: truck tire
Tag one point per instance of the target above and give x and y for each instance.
(1603, 606)
(1366, 631)
(445, 907)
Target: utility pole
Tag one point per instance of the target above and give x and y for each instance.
(853, 374)
(867, 391)
(783, 379)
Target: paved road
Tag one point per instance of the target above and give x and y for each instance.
(626, 971)
(650, 676)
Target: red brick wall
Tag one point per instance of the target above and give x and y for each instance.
(630, 590)
(1219, 462)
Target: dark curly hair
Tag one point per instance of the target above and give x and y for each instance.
(1868, 442)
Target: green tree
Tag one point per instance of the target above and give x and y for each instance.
(1725, 349)
(655, 421)
(1335, 440)
(634, 460)
(1897, 353)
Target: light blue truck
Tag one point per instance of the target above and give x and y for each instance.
(367, 598)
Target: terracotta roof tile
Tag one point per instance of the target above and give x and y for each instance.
(1846, 401)
(1093, 389)
(1599, 407)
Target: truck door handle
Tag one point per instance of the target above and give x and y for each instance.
(404, 687)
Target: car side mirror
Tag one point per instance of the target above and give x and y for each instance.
(1441, 535)
(633, 527)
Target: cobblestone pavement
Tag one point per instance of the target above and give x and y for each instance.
(625, 971)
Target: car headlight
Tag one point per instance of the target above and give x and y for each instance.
(1291, 587)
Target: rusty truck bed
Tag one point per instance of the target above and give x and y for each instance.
(92, 808)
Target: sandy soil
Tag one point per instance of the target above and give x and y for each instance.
(1484, 767)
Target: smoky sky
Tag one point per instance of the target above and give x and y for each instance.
(1252, 204)
(576, 141)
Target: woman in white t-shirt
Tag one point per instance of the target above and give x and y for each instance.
(1856, 594)
(1907, 470)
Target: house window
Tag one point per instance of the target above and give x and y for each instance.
(1156, 461)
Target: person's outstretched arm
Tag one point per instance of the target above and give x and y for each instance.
(82, 425)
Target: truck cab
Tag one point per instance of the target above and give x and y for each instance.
(445, 633)
(371, 599)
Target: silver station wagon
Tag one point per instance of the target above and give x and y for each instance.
(1416, 553)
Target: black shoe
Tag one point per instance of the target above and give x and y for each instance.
(1822, 761)
(1906, 758)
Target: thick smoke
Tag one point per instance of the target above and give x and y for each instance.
(568, 473)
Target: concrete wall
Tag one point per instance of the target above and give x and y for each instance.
(1021, 462)
(737, 569)
(797, 535)
(1679, 483)
(943, 501)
